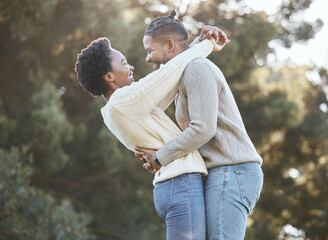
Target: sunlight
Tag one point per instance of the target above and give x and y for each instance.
(293, 232)
(293, 173)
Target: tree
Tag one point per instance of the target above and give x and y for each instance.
(30, 213)
(296, 157)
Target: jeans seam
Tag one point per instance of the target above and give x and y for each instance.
(241, 189)
(218, 170)
(187, 196)
(169, 204)
(249, 172)
(222, 203)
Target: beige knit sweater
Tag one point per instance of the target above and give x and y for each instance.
(135, 113)
(207, 112)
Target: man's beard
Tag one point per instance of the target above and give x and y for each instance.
(156, 64)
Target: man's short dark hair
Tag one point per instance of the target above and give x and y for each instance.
(92, 64)
(167, 25)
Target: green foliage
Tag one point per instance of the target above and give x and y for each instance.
(302, 148)
(291, 30)
(273, 106)
(24, 21)
(7, 127)
(47, 128)
(29, 213)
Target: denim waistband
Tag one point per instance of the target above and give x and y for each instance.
(248, 166)
(180, 177)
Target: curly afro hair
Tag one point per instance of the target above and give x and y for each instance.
(92, 64)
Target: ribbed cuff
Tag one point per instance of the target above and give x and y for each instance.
(162, 158)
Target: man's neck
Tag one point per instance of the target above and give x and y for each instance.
(184, 47)
(181, 49)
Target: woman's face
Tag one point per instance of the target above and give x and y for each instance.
(122, 72)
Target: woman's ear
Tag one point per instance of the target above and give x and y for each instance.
(108, 77)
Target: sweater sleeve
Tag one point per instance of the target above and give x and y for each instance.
(141, 97)
(170, 97)
(202, 95)
(196, 41)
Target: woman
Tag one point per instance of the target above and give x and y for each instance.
(134, 113)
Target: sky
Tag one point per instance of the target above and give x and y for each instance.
(314, 51)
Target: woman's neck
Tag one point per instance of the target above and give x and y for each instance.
(108, 94)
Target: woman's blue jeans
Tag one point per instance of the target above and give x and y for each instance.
(180, 203)
(231, 193)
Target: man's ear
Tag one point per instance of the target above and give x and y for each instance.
(108, 77)
(171, 44)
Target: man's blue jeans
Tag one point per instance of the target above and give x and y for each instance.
(180, 203)
(231, 193)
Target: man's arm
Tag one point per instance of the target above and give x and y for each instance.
(206, 33)
(148, 156)
(202, 95)
(201, 90)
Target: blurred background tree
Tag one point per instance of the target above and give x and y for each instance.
(83, 184)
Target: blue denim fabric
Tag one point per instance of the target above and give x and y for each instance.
(180, 203)
(231, 193)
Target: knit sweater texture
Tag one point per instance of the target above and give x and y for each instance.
(207, 113)
(135, 113)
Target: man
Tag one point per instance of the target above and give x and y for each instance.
(211, 122)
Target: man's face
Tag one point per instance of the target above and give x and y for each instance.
(157, 52)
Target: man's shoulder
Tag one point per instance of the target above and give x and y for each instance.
(199, 62)
(200, 66)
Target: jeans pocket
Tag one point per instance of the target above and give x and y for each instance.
(250, 186)
(163, 197)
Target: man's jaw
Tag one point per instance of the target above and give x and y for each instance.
(155, 65)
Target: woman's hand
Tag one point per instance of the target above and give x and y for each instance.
(216, 46)
(215, 35)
